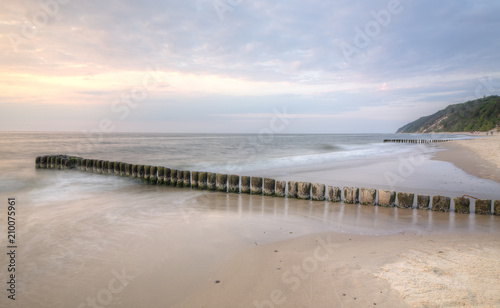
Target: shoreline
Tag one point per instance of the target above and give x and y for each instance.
(479, 157)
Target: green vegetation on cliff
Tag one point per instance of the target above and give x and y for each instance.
(478, 115)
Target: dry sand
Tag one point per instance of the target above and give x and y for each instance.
(342, 270)
(480, 157)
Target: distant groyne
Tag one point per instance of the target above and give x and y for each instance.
(416, 140)
(230, 183)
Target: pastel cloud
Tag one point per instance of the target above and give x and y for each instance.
(262, 55)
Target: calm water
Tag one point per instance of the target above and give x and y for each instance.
(218, 153)
(77, 230)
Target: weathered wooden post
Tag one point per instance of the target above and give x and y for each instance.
(194, 179)
(292, 189)
(140, 172)
(423, 202)
(269, 187)
(318, 192)
(128, 170)
(122, 169)
(173, 177)
(280, 189)
(441, 203)
(153, 175)
(94, 165)
(221, 182)
(334, 194)
(147, 173)
(111, 167)
(161, 175)
(351, 195)
(405, 200)
(386, 197)
(202, 180)
(135, 173)
(368, 196)
(462, 205)
(483, 206)
(88, 165)
(211, 180)
(43, 163)
(180, 178)
(233, 183)
(104, 167)
(186, 177)
(304, 190)
(38, 162)
(256, 186)
(116, 168)
(166, 176)
(245, 184)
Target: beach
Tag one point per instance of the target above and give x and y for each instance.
(88, 239)
(480, 157)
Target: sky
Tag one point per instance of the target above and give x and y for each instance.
(241, 66)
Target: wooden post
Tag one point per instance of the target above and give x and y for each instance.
(186, 176)
(233, 184)
(153, 175)
(211, 180)
(194, 179)
(318, 192)
(221, 182)
(280, 189)
(304, 190)
(441, 203)
(462, 205)
(483, 206)
(351, 195)
(256, 186)
(269, 187)
(292, 189)
(245, 184)
(423, 202)
(368, 196)
(202, 180)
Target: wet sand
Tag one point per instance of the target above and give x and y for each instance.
(480, 157)
(123, 247)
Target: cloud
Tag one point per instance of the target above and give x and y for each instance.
(288, 53)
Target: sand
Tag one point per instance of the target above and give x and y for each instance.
(342, 270)
(480, 157)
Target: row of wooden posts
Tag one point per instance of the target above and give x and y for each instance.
(416, 140)
(264, 186)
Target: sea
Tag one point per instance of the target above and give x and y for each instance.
(77, 231)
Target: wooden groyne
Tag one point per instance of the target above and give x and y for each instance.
(416, 140)
(230, 183)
